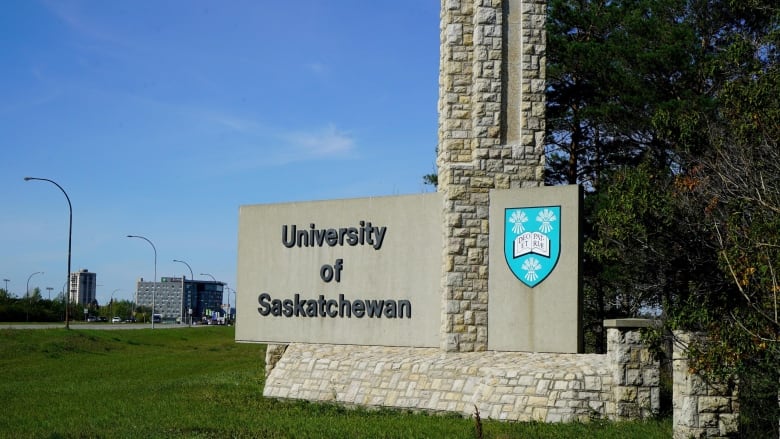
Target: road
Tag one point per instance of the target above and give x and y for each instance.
(98, 326)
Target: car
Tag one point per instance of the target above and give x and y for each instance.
(116, 320)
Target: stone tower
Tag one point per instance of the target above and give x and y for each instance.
(491, 136)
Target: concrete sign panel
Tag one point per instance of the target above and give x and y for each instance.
(358, 271)
(535, 270)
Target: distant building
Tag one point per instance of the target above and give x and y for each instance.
(83, 286)
(174, 297)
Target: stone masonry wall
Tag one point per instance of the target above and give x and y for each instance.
(273, 353)
(701, 409)
(514, 386)
(473, 153)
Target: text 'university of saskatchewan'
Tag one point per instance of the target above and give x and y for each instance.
(364, 234)
(341, 308)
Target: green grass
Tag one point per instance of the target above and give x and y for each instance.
(199, 383)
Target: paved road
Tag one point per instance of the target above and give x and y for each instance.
(108, 327)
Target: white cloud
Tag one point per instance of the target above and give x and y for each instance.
(255, 146)
(327, 142)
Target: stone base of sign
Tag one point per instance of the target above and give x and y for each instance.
(509, 386)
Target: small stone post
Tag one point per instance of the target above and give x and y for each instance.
(635, 373)
(701, 409)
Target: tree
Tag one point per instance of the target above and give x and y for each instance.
(735, 190)
(35, 296)
(614, 69)
(431, 179)
(621, 75)
(698, 220)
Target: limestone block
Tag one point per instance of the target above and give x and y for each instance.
(686, 411)
(633, 377)
(651, 376)
(625, 393)
(592, 383)
(452, 5)
(728, 424)
(627, 411)
(714, 404)
(454, 34)
(485, 15)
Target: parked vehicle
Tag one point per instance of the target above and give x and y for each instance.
(116, 320)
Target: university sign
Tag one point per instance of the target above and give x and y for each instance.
(369, 271)
(359, 271)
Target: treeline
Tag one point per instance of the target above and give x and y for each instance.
(32, 309)
(37, 309)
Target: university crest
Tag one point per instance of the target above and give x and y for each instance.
(532, 242)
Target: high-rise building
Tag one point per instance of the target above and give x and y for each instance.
(181, 298)
(83, 286)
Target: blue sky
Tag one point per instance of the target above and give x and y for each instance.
(160, 118)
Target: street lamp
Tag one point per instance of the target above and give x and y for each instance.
(230, 290)
(112, 303)
(154, 287)
(6, 285)
(70, 236)
(66, 294)
(27, 293)
(192, 277)
(49, 289)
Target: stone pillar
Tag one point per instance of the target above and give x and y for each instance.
(474, 152)
(635, 373)
(701, 409)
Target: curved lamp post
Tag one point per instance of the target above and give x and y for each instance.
(183, 288)
(154, 288)
(70, 236)
(112, 302)
(27, 294)
(192, 277)
(230, 290)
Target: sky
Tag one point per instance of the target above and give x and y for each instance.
(159, 118)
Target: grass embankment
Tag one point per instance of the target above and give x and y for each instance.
(199, 383)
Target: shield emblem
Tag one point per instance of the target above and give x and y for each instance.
(532, 242)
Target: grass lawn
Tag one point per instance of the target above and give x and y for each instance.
(199, 383)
